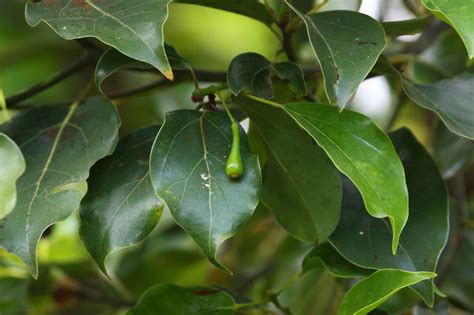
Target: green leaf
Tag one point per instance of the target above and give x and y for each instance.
(292, 73)
(252, 73)
(188, 172)
(113, 61)
(372, 291)
(300, 184)
(120, 208)
(325, 255)
(11, 168)
(450, 99)
(451, 151)
(364, 241)
(171, 299)
(59, 144)
(459, 283)
(347, 45)
(444, 58)
(135, 28)
(459, 14)
(362, 151)
(251, 8)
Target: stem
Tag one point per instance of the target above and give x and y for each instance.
(3, 106)
(213, 89)
(406, 27)
(261, 100)
(69, 70)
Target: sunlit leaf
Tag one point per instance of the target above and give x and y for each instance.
(59, 144)
(135, 28)
(363, 152)
(459, 14)
(12, 167)
(347, 45)
(372, 291)
(365, 241)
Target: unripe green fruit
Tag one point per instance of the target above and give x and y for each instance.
(234, 167)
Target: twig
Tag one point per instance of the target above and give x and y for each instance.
(69, 70)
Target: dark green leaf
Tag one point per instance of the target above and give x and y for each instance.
(292, 73)
(364, 241)
(113, 61)
(59, 144)
(460, 15)
(451, 99)
(171, 299)
(459, 283)
(251, 8)
(252, 73)
(12, 167)
(451, 151)
(372, 291)
(188, 172)
(300, 184)
(325, 255)
(347, 45)
(120, 208)
(135, 28)
(363, 152)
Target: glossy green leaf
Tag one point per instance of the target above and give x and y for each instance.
(12, 167)
(300, 184)
(372, 291)
(135, 28)
(365, 241)
(120, 208)
(251, 8)
(325, 255)
(171, 299)
(347, 45)
(252, 73)
(450, 99)
(459, 14)
(113, 61)
(188, 172)
(451, 151)
(363, 152)
(59, 144)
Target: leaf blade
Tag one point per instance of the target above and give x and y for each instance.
(335, 35)
(360, 299)
(298, 175)
(347, 138)
(53, 141)
(11, 168)
(120, 208)
(109, 23)
(202, 199)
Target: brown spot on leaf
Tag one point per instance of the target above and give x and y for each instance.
(50, 134)
(50, 2)
(205, 292)
(81, 3)
(375, 257)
